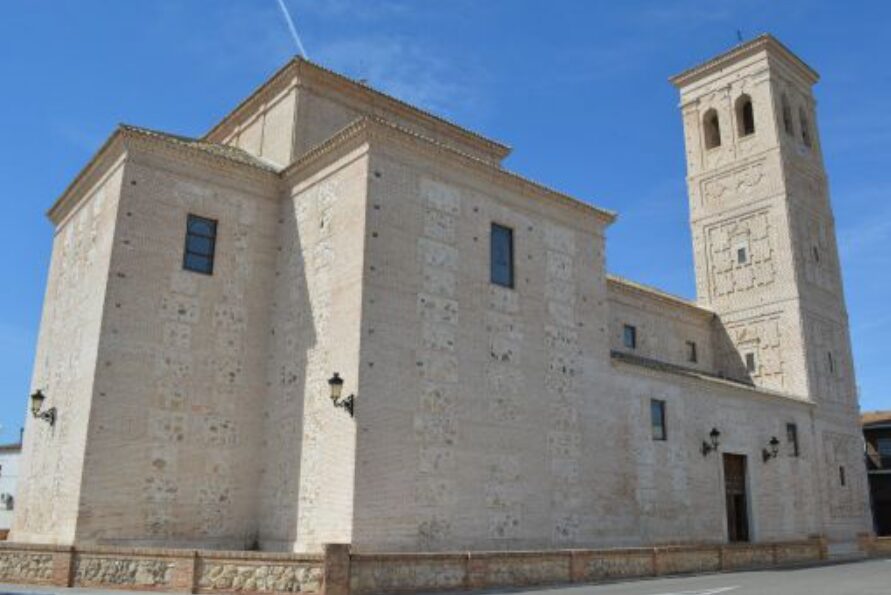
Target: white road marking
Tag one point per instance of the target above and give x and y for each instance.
(706, 592)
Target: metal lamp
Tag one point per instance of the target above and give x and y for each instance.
(336, 385)
(712, 444)
(37, 400)
(774, 450)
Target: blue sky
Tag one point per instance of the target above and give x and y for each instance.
(578, 89)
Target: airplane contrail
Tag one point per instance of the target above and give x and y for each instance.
(293, 29)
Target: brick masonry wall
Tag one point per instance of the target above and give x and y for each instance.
(307, 484)
(471, 392)
(767, 193)
(65, 364)
(663, 327)
(340, 573)
(373, 574)
(504, 389)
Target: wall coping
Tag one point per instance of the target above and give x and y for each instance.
(101, 550)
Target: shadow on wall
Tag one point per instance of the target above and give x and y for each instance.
(732, 361)
(293, 335)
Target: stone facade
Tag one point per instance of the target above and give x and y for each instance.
(354, 237)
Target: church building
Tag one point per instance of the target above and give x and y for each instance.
(337, 318)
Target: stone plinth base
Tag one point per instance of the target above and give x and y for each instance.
(340, 572)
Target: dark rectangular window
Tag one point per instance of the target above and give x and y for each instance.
(792, 438)
(657, 419)
(692, 356)
(502, 255)
(750, 362)
(629, 336)
(742, 256)
(830, 362)
(201, 240)
(841, 476)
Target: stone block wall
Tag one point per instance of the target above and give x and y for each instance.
(52, 462)
(664, 326)
(472, 394)
(340, 572)
(309, 453)
(373, 574)
(190, 571)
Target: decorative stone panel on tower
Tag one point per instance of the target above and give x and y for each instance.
(764, 239)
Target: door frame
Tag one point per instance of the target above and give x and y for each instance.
(747, 481)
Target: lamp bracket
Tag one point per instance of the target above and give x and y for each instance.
(49, 416)
(346, 403)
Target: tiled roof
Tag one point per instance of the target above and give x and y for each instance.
(875, 417)
(374, 95)
(763, 41)
(657, 293)
(653, 364)
(215, 149)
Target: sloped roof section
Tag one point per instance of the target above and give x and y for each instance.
(215, 149)
(764, 41)
(875, 417)
(315, 74)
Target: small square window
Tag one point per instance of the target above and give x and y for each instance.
(502, 255)
(201, 239)
(751, 365)
(792, 439)
(629, 336)
(657, 419)
(742, 255)
(692, 356)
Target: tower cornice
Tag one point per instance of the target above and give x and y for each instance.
(763, 43)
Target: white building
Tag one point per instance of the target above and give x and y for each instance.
(509, 393)
(10, 454)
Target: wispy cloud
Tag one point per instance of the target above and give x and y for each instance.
(354, 9)
(406, 69)
(233, 34)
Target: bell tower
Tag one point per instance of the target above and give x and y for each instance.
(765, 252)
(762, 226)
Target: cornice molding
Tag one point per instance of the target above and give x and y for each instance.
(99, 164)
(372, 129)
(764, 42)
(126, 138)
(648, 292)
(659, 369)
(316, 77)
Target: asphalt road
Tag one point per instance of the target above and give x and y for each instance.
(871, 577)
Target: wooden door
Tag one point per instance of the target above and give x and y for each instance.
(735, 496)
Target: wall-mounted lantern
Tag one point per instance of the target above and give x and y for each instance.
(712, 443)
(37, 399)
(336, 384)
(773, 451)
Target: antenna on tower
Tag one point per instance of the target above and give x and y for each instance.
(293, 29)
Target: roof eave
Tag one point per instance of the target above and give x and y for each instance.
(370, 126)
(764, 42)
(298, 66)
